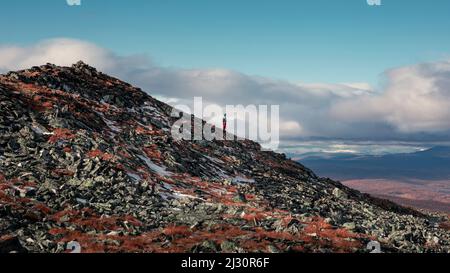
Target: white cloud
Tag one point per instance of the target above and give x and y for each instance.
(58, 51)
(290, 128)
(416, 98)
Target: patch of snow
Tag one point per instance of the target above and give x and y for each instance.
(167, 192)
(149, 108)
(219, 191)
(131, 110)
(134, 176)
(22, 175)
(178, 195)
(148, 127)
(112, 126)
(161, 171)
(39, 131)
(167, 186)
(216, 160)
(82, 201)
(242, 180)
(223, 175)
(165, 196)
(30, 188)
(155, 113)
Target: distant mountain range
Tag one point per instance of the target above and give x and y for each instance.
(432, 164)
(419, 179)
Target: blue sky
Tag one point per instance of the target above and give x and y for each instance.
(340, 70)
(301, 41)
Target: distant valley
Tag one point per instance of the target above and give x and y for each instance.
(420, 179)
(427, 195)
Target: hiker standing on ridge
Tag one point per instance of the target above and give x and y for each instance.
(224, 123)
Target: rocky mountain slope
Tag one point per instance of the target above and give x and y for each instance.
(87, 157)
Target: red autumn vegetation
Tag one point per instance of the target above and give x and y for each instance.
(124, 154)
(152, 152)
(104, 243)
(340, 239)
(61, 134)
(176, 239)
(258, 216)
(62, 172)
(42, 208)
(177, 231)
(24, 207)
(311, 235)
(87, 219)
(445, 225)
(143, 131)
(99, 154)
